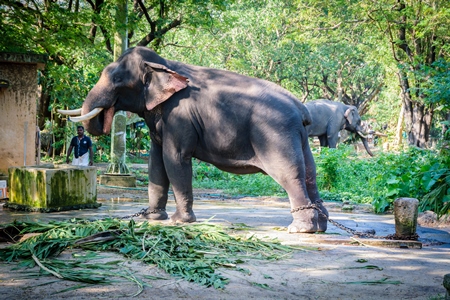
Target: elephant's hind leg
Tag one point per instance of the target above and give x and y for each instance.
(313, 192)
(289, 172)
(304, 215)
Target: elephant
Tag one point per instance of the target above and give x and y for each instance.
(237, 123)
(330, 117)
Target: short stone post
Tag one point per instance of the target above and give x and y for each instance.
(406, 212)
(447, 286)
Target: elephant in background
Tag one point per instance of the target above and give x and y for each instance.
(330, 117)
(240, 124)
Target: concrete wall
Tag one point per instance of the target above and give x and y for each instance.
(18, 109)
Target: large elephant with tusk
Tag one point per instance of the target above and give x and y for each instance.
(330, 117)
(240, 124)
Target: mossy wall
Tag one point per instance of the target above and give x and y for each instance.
(50, 189)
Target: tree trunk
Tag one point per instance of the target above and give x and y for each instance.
(418, 116)
(119, 126)
(399, 133)
(43, 112)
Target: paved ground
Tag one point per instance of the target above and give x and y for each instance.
(329, 270)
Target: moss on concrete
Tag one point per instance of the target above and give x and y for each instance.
(52, 189)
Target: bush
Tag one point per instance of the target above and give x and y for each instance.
(207, 176)
(342, 175)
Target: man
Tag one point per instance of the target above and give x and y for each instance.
(82, 145)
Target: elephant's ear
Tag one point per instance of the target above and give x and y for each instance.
(350, 115)
(161, 83)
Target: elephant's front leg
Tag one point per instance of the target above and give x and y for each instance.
(179, 170)
(158, 185)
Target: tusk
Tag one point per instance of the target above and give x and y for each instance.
(70, 112)
(380, 134)
(87, 116)
(362, 135)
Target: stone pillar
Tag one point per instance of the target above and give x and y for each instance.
(406, 212)
(18, 95)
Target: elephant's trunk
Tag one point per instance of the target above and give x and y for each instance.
(366, 145)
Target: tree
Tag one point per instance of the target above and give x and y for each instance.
(303, 47)
(117, 163)
(418, 34)
(75, 35)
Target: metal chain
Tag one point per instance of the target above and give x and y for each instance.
(365, 234)
(143, 212)
(309, 206)
(338, 225)
(369, 233)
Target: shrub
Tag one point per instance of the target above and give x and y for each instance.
(342, 175)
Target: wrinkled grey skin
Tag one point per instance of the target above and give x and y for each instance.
(240, 124)
(330, 117)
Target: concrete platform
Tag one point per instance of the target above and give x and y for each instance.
(118, 180)
(48, 188)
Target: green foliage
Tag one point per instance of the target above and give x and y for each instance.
(102, 148)
(70, 84)
(342, 175)
(415, 173)
(435, 83)
(192, 252)
(207, 176)
(328, 162)
(436, 181)
(138, 139)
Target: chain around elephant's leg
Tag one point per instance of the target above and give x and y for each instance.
(322, 220)
(305, 219)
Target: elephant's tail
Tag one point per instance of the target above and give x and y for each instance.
(306, 116)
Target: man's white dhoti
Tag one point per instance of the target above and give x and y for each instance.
(83, 160)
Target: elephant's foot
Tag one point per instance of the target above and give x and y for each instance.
(185, 217)
(156, 214)
(322, 221)
(305, 220)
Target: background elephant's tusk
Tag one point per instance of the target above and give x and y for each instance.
(380, 134)
(362, 135)
(70, 112)
(87, 116)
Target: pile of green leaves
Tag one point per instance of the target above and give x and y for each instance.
(192, 252)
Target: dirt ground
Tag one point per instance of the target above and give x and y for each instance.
(329, 267)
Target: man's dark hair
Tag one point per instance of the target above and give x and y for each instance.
(79, 126)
